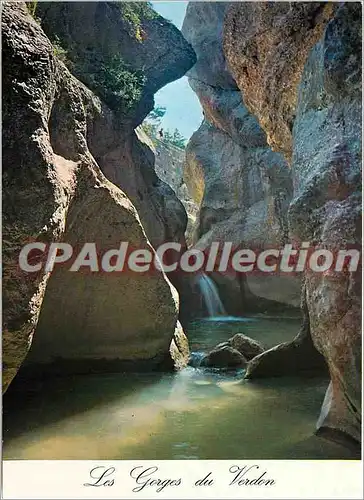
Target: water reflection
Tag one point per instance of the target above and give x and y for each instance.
(193, 414)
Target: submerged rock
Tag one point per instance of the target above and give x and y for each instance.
(224, 357)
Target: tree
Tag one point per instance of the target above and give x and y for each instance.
(152, 124)
(176, 139)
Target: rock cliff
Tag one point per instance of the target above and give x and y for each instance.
(299, 69)
(242, 187)
(276, 159)
(74, 170)
(259, 40)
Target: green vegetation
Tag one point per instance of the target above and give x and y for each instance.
(152, 125)
(108, 74)
(176, 139)
(117, 84)
(32, 8)
(157, 114)
(110, 77)
(59, 51)
(133, 13)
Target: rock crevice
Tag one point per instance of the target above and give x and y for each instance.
(242, 187)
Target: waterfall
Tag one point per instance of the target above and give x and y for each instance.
(211, 296)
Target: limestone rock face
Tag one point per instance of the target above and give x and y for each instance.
(246, 345)
(169, 163)
(224, 357)
(130, 164)
(242, 187)
(238, 198)
(315, 121)
(146, 45)
(326, 208)
(296, 357)
(169, 166)
(152, 52)
(36, 190)
(55, 189)
(266, 45)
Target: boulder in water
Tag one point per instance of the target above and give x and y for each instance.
(246, 346)
(295, 357)
(224, 357)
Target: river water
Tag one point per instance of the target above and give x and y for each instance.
(193, 414)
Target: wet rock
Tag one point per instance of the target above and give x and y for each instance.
(224, 357)
(296, 357)
(246, 345)
(221, 345)
(169, 165)
(266, 46)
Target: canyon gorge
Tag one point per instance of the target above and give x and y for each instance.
(275, 161)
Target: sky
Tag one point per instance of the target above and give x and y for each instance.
(184, 111)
